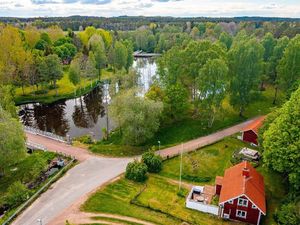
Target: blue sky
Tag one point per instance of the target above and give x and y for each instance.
(180, 8)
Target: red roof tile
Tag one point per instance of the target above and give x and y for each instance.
(234, 184)
(255, 125)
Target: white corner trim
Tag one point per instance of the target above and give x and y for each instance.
(242, 196)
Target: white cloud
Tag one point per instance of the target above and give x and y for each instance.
(216, 8)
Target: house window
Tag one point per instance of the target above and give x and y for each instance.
(243, 202)
(241, 214)
(254, 207)
(230, 201)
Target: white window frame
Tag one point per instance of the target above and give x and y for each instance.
(254, 206)
(244, 203)
(230, 201)
(241, 211)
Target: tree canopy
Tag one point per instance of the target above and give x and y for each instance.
(281, 141)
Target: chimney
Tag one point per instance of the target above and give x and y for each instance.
(246, 172)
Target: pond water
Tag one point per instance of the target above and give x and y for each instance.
(85, 115)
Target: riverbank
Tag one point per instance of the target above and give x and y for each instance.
(190, 128)
(65, 90)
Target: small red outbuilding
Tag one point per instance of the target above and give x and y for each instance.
(250, 132)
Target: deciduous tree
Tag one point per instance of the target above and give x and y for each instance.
(12, 141)
(289, 65)
(245, 66)
(53, 70)
(212, 86)
(281, 141)
(137, 117)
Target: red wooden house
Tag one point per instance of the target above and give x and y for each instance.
(242, 194)
(250, 132)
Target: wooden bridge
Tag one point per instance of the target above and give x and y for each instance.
(141, 54)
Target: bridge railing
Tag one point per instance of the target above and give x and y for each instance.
(46, 134)
(35, 146)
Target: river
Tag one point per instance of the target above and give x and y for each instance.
(85, 115)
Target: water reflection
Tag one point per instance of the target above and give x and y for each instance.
(75, 117)
(146, 69)
(84, 115)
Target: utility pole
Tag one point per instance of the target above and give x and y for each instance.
(180, 173)
(158, 147)
(106, 109)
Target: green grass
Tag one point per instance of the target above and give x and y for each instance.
(207, 163)
(65, 90)
(114, 220)
(106, 75)
(189, 128)
(114, 147)
(22, 172)
(158, 200)
(115, 199)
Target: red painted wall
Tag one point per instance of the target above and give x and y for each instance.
(252, 214)
(218, 189)
(250, 136)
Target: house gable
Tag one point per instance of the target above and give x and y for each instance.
(234, 209)
(241, 196)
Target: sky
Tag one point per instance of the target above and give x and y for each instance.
(177, 8)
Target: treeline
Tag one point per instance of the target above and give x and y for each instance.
(40, 57)
(157, 38)
(131, 22)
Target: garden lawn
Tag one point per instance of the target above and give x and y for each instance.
(204, 165)
(114, 220)
(190, 128)
(159, 201)
(115, 198)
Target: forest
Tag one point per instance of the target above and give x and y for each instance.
(207, 69)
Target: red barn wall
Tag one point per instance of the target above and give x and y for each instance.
(250, 136)
(252, 214)
(218, 189)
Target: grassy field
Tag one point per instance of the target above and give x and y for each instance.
(195, 164)
(114, 147)
(65, 90)
(159, 201)
(189, 128)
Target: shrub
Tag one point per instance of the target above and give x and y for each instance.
(17, 194)
(86, 139)
(40, 92)
(288, 215)
(136, 171)
(37, 163)
(153, 162)
(182, 193)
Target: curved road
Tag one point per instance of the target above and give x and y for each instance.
(91, 173)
